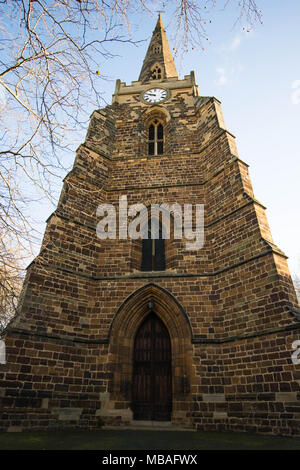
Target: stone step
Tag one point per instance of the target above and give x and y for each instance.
(147, 426)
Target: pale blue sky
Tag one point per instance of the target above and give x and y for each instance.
(253, 75)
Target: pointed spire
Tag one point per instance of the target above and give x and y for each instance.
(158, 62)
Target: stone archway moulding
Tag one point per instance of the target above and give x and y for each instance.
(133, 310)
(124, 327)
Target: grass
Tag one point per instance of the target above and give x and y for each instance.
(143, 440)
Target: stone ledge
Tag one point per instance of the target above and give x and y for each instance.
(253, 334)
(296, 313)
(63, 338)
(216, 341)
(104, 155)
(158, 274)
(57, 213)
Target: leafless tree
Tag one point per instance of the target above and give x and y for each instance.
(50, 51)
(10, 282)
(191, 18)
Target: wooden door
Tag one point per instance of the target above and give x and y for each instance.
(152, 373)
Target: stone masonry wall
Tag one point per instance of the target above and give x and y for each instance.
(228, 307)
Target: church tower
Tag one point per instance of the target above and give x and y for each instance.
(116, 329)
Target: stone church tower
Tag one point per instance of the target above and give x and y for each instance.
(119, 331)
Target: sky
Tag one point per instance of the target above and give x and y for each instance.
(256, 76)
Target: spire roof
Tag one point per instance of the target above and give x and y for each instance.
(158, 56)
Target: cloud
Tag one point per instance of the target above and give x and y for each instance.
(229, 47)
(235, 43)
(296, 93)
(228, 74)
(222, 76)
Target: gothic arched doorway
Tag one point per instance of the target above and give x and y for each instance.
(152, 371)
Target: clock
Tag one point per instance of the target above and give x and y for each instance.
(155, 95)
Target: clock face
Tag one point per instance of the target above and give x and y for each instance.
(155, 95)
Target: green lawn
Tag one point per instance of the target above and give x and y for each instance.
(143, 440)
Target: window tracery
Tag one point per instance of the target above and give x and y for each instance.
(156, 138)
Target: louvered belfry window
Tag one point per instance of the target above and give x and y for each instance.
(156, 49)
(156, 138)
(153, 252)
(156, 73)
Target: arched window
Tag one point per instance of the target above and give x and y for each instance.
(153, 252)
(156, 138)
(156, 73)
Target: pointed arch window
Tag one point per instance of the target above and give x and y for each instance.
(153, 252)
(156, 138)
(156, 73)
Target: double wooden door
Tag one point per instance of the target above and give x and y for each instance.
(152, 372)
